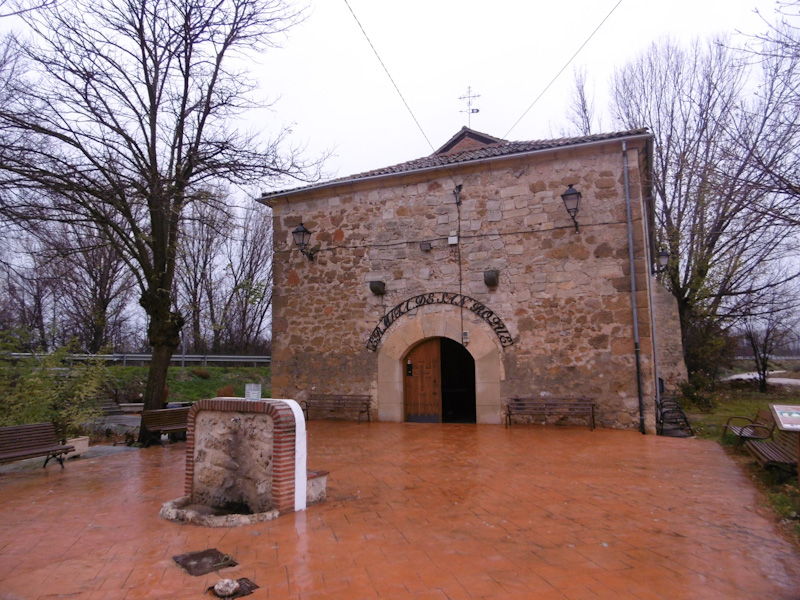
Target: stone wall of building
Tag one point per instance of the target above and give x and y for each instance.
(671, 366)
(564, 296)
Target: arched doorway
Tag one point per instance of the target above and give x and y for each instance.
(439, 383)
(483, 347)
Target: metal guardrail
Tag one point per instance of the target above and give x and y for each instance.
(143, 357)
(771, 357)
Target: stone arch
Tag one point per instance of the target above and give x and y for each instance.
(483, 347)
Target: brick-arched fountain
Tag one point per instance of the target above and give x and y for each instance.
(245, 463)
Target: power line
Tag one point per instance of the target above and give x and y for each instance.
(562, 69)
(389, 75)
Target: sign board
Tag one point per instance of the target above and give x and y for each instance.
(787, 416)
(252, 391)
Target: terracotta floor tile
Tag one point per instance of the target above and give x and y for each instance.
(417, 511)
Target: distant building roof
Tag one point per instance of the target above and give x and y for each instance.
(465, 147)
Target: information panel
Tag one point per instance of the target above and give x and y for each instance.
(787, 416)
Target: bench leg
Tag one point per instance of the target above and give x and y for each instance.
(58, 457)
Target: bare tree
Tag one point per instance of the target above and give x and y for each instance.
(124, 117)
(27, 293)
(11, 8)
(249, 272)
(94, 285)
(778, 52)
(720, 225)
(581, 111)
(205, 231)
(772, 325)
(225, 280)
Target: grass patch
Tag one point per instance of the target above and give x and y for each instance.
(189, 385)
(742, 398)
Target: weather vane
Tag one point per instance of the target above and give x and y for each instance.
(469, 97)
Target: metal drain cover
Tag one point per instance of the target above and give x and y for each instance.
(204, 562)
(246, 587)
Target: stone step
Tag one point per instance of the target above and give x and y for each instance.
(109, 407)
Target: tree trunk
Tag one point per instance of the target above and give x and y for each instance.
(198, 343)
(164, 336)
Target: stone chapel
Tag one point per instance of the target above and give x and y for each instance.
(444, 285)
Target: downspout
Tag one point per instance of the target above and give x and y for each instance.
(636, 344)
(647, 246)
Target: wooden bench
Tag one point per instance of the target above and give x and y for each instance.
(29, 441)
(166, 420)
(760, 427)
(564, 407)
(780, 453)
(330, 404)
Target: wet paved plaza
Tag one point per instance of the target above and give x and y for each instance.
(417, 511)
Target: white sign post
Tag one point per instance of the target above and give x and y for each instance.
(252, 391)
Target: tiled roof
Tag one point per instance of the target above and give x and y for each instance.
(476, 137)
(487, 152)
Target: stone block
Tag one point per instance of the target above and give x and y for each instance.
(433, 325)
(515, 190)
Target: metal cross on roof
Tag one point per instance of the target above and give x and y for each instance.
(469, 97)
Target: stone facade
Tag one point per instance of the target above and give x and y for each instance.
(669, 346)
(560, 320)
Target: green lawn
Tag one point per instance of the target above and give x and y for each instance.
(191, 384)
(739, 398)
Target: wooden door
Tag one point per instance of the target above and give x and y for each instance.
(422, 383)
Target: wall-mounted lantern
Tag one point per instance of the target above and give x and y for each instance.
(425, 246)
(663, 260)
(572, 202)
(377, 287)
(302, 237)
(491, 278)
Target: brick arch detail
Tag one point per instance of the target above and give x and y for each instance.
(483, 347)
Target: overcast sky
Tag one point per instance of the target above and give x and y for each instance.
(333, 91)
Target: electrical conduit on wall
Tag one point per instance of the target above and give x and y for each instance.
(631, 257)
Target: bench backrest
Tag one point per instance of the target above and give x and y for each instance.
(23, 437)
(765, 416)
(165, 416)
(581, 400)
(339, 398)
